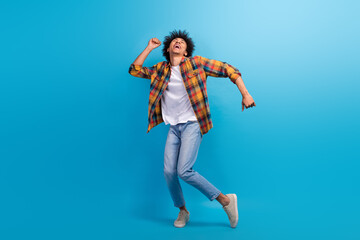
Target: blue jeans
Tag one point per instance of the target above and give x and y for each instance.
(181, 149)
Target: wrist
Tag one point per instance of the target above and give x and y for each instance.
(149, 49)
(245, 93)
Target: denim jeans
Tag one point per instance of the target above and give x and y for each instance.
(181, 149)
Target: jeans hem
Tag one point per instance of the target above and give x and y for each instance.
(215, 196)
(181, 205)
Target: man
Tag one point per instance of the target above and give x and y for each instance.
(178, 97)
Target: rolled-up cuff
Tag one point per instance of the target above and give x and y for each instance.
(235, 76)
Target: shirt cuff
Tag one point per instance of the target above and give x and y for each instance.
(235, 76)
(136, 67)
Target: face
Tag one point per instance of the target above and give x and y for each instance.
(178, 47)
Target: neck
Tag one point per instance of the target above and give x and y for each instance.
(175, 59)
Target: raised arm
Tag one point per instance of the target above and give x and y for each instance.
(136, 69)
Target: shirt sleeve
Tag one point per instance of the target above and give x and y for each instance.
(142, 72)
(215, 68)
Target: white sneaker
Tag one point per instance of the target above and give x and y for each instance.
(232, 210)
(182, 219)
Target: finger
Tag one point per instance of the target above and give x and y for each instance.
(242, 106)
(254, 104)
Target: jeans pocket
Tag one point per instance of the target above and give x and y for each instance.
(197, 125)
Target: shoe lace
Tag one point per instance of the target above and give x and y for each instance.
(181, 214)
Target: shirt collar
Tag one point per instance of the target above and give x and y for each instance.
(182, 60)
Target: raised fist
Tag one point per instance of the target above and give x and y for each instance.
(154, 43)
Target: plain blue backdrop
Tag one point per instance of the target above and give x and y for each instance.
(76, 161)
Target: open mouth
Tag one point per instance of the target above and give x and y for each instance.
(177, 46)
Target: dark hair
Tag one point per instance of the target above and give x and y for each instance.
(178, 34)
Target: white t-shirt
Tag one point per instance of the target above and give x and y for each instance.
(175, 104)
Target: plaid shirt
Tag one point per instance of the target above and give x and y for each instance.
(194, 71)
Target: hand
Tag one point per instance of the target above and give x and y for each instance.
(154, 43)
(247, 101)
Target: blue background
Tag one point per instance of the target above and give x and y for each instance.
(76, 162)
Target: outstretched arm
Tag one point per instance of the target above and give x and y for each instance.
(136, 69)
(217, 68)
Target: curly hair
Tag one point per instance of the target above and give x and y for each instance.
(178, 34)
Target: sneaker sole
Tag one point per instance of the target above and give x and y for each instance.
(236, 210)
